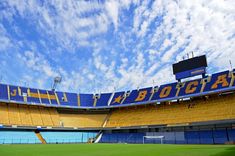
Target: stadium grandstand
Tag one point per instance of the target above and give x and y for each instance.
(198, 111)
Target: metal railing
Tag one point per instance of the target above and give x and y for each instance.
(19, 141)
(65, 141)
(37, 141)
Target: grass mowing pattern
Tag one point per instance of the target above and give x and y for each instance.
(116, 150)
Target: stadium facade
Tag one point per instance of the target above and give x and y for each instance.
(199, 111)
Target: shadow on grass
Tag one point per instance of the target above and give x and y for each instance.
(228, 152)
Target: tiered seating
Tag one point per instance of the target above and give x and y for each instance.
(122, 138)
(206, 137)
(218, 82)
(216, 108)
(169, 137)
(103, 100)
(35, 115)
(54, 116)
(68, 137)
(183, 137)
(24, 115)
(18, 137)
(4, 114)
(82, 120)
(14, 114)
(45, 115)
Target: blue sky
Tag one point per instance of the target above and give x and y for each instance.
(97, 46)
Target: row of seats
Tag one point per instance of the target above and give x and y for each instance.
(215, 108)
(217, 82)
(68, 137)
(24, 115)
(188, 137)
(82, 120)
(122, 138)
(29, 137)
(18, 137)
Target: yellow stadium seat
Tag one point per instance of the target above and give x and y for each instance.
(25, 115)
(199, 110)
(14, 114)
(54, 117)
(35, 116)
(4, 119)
(82, 120)
(46, 117)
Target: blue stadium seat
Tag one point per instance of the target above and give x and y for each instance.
(24, 91)
(15, 94)
(114, 100)
(122, 138)
(214, 79)
(62, 97)
(44, 100)
(67, 137)
(105, 138)
(86, 100)
(34, 100)
(103, 100)
(198, 88)
(68, 99)
(220, 136)
(206, 137)
(53, 98)
(135, 93)
(3, 92)
(171, 94)
(169, 137)
(231, 134)
(131, 98)
(192, 137)
(72, 100)
(188, 137)
(180, 138)
(18, 137)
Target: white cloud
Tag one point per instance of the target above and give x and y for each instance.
(66, 23)
(4, 40)
(5, 43)
(112, 8)
(148, 36)
(37, 63)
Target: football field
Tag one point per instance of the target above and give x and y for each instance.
(116, 150)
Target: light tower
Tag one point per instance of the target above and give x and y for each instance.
(57, 80)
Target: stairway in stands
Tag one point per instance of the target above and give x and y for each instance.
(99, 135)
(43, 141)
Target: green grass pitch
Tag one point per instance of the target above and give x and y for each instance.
(116, 150)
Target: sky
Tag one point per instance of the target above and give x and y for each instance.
(106, 46)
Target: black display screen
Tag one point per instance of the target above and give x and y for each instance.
(190, 64)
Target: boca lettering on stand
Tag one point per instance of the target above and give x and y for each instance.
(191, 87)
(165, 92)
(141, 95)
(221, 79)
